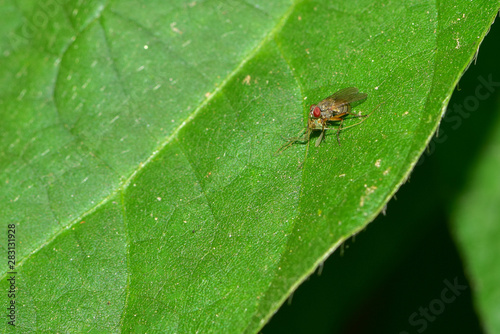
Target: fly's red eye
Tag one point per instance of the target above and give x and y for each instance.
(316, 112)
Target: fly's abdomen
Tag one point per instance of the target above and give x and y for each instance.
(346, 108)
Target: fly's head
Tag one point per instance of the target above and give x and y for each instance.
(314, 111)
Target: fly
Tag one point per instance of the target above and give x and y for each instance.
(332, 109)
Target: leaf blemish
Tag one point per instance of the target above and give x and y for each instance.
(247, 79)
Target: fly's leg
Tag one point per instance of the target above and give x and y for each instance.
(339, 118)
(338, 130)
(336, 118)
(347, 127)
(293, 140)
(318, 142)
(305, 158)
(357, 115)
(307, 148)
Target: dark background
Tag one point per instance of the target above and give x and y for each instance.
(400, 261)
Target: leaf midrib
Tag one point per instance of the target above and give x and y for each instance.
(122, 186)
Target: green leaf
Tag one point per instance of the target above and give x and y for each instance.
(387, 284)
(138, 141)
(475, 217)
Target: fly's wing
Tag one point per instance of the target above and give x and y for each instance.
(349, 95)
(318, 141)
